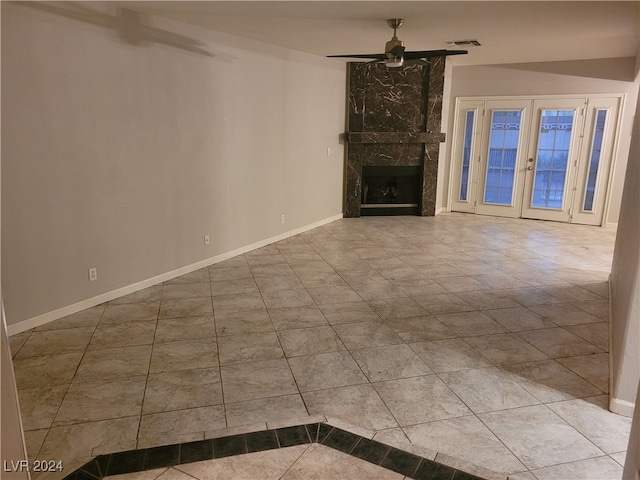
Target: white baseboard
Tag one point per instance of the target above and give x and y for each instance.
(47, 317)
(621, 407)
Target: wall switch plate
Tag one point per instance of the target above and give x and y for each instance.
(329, 151)
(282, 218)
(207, 240)
(93, 274)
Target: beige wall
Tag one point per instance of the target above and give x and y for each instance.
(122, 157)
(625, 288)
(606, 76)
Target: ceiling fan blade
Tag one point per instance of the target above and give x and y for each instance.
(377, 56)
(432, 53)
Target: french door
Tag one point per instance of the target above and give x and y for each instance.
(542, 158)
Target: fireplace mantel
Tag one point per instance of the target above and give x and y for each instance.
(394, 137)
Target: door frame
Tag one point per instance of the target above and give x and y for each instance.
(605, 179)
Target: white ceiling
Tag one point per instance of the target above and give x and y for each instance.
(509, 31)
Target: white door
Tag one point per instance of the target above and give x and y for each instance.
(534, 158)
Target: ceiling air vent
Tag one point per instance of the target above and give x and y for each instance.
(465, 43)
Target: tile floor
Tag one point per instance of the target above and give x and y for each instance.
(474, 340)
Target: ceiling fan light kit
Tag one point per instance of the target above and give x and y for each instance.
(395, 56)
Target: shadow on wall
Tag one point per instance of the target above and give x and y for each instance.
(128, 24)
(620, 69)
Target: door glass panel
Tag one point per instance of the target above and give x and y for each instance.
(552, 158)
(503, 151)
(466, 156)
(594, 162)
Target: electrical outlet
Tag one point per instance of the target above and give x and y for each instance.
(93, 274)
(329, 151)
(207, 240)
(282, 218)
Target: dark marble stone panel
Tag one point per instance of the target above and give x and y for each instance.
(394, 137)
(435, 92)
(386, 154)
(390, 99)
(353, 180)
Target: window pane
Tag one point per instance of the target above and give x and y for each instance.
(503, 151)
(594, 163)
(552, 158)
(466, 156)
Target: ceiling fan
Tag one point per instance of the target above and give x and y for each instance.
(394, 51)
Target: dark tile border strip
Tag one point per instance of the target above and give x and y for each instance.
(385, 456)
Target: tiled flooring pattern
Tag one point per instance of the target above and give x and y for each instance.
(482, 339)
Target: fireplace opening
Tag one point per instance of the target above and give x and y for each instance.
(391, 190)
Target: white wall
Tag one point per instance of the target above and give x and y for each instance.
(122, 157)
(607, 76)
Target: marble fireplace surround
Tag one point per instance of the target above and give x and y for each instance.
(394, 118)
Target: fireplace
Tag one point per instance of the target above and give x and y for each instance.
(393, 138)
(391, 190)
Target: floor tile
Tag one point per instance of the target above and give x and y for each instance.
(330, 294)
(130, 312)
(563, 314)
(258, 465)
(378, 290)
(278, 282)
(218, 273)
(113, 363)
(366, 334)
(17, 340)
(326, 370)
(197, 276)
(46, 370)
(123, 335)
(462, 283)
(599, 308)
(243, 322)
(39, 405)
(449, 355)
(487, 390)
(459, 438)
(558, 342)
(187, 307)
(420, 399)
(179, 426)
(387, 308)
(335, 464)
(85, 440)
(600, 468)
(443, 303)
(186, 290)
(101, 400)
(593, 368)
(571, 293)
(390, 362)
(549, 381)
(487, 300)
(271, 409)
(85, 318)
(298, 297)
(356, 404)
(608, 431)
(182, 329)
(420, 329)
(351, 312)
(56, 342)
(183, 355)
(554, 441)
(240, 286)
(309, 341)
(505, 349)
(247, 381)
(249, 347)
(182, 390)
(297, 317)
(595, 333)
(529, 296)
(470, 323)
(517, 319)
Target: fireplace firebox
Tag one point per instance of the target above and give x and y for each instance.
(391, 190)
